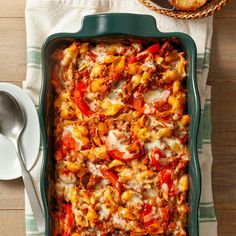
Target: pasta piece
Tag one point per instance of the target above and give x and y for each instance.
(110, 108)
(97, 84)
(84, 48)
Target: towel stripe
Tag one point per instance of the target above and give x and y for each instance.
(207, 122)
(33, 48)
(207, 220)
(31, 225)
(29, 216)
(203, 60)
(204, 132)
(206, 212)
(204, 204)
(33, 56)
(34, 66)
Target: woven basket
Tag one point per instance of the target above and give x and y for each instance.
(210, 8)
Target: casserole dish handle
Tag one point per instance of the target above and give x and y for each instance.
(132, 24)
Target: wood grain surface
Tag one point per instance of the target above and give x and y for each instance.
(222, 78)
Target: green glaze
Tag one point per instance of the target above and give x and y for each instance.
(121, 26)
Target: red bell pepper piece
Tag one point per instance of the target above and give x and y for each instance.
(79, 92)
(158, 157)
(92, 56)
(151, 213)
(81, 88)
(184, 139)
(164, 48)
(84, 108)
(113, 180)
(154, 48)
(167, 178)
(68, 142)
(116, 154)
(114, 77)
(148, 213)
(68, 220)
(137, 104)
(132, 59)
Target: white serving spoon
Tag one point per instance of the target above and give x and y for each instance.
(12, 123)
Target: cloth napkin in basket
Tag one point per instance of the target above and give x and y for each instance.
(45, 17)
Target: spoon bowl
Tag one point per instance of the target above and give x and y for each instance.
(12, 119)
(12, 123)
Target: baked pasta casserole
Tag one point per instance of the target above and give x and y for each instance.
(120, 138)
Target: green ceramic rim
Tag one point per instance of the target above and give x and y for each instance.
(131, 25)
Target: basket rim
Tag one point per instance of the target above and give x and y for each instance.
(205, 11)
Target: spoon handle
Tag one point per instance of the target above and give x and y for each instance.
(31, 192)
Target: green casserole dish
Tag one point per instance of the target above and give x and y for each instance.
(107, 27)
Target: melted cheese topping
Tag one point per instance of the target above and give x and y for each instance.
(104, 213)
(156, 95)
(135, 185)
(94, 169)
(115, 143)
(156, 143)
(118, 221)
(63, 189)
(120, 148)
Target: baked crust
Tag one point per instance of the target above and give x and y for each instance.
(187, 5)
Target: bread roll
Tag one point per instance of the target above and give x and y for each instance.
(187, 5)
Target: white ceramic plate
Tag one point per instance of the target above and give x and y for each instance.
(30, 139)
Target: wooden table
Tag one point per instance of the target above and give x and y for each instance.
(222, 78)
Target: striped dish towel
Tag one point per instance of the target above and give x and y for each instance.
(45, 17)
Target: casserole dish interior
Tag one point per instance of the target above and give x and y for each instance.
(106, 27)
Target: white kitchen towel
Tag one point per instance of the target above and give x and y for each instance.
(45, 17)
